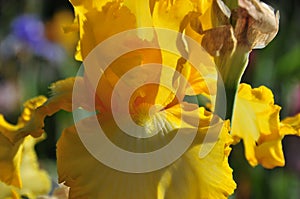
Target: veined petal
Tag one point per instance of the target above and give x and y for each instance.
(177, 15)
(189, 177)
(117, 17)
(122, 66)
(256, 121)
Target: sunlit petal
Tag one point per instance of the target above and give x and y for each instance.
(256, 122)
(188, 177)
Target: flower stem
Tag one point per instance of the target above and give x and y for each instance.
(231, 69)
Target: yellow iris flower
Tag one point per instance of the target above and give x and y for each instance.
(190, 176)
(187, 171)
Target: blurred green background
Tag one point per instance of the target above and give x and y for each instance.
(26, 73)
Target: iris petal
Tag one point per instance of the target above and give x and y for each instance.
(188, 177)
(256, 122)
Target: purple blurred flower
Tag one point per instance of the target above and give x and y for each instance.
(29, 29)
(27, 34)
